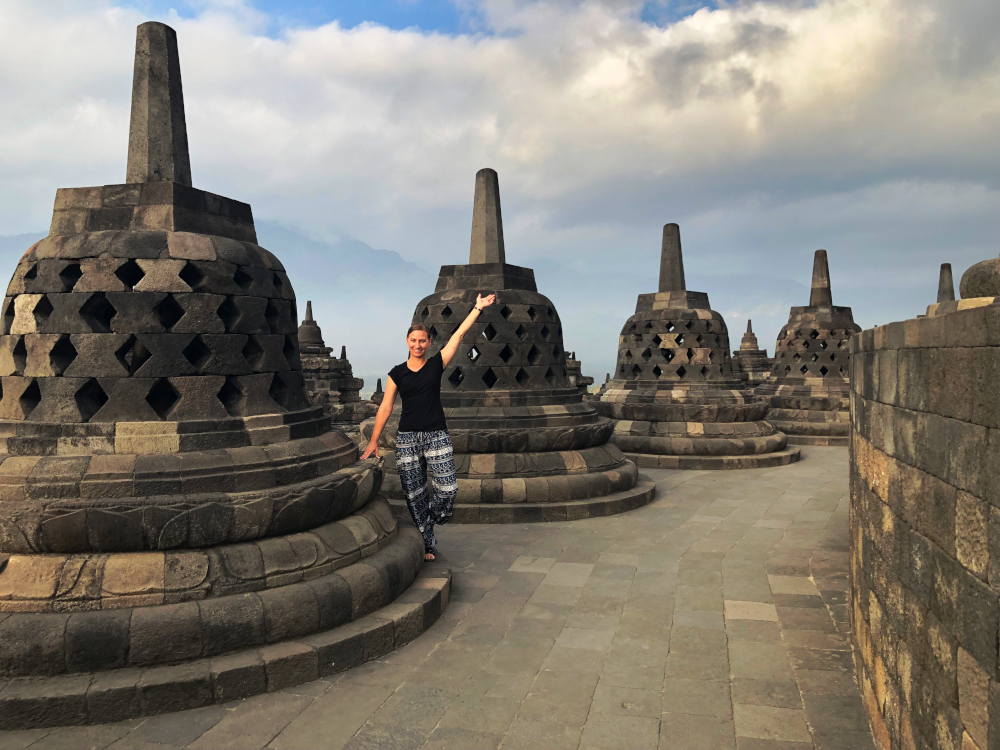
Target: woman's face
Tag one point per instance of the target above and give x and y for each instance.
(418, 343)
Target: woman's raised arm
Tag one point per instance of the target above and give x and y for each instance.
(451, 348)
(381, 417)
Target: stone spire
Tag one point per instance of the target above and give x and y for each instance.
(310, 335)
(157, 139)
(343, 352)
(671, 261)
(487, 223)
(946, 285)
(821, 296)
(749, 342)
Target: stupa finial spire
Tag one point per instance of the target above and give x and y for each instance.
(157, 140)
(821, 295)
(671, 260)
(749, 326)
(487, 222)
(946, 284)
(309, 311)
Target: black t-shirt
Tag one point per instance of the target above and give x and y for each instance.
(421, 392)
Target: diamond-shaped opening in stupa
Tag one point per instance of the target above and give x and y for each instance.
(231, 397)
(97, 313)
(43, 309)
(521, 332)
(534, 355)
(130, 274)
(823, 371)
(506, 353)
(545, 333)
(490, 332)
(62, 354)
(70, 274)
(169, 312)
(657, 371)
(490, 378)
(90, 398)
(197, 353)
(456, 377)
(522, 377)
(243, 280)
(681, 372)
(162, 397)
(253, 353)
(646, 354)
(192, 276)
(532, 312)
(668, 354)
(505, 312)
(474, 354)
(446, 312)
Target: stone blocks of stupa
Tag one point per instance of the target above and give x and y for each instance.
(924, 511)
(527, 448)
(329, 380)
(809, 387)
(751, 363)
(676, 399)
(178, 525)
(576, 377)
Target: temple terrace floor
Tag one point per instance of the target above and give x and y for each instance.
(715, 617)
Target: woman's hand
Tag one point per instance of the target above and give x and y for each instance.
(482, 301)
(372, 448)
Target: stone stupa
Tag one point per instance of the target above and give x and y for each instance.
(527, 448)
(576, 377)
(330, 381)
(178, 525)
(678, 403)
(750, 362)
(809, 388)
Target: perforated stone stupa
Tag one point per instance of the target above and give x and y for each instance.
(809, 387)
(178, 525)
(527, 448)
(330, 381)
(676, 398)
(750, 362)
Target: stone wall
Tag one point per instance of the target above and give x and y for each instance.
(925, 529)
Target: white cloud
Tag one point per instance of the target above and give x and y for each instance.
(767, 129)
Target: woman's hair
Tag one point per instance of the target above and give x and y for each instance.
(419, 327)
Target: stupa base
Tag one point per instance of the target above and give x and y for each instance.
(818, 440)
(571, 510)
(122, 694)
(755, 461)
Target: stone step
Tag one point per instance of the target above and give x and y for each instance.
(122, 694)
(618, 502)
(754, 461)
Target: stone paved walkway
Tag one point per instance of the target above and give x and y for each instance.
(716, 617)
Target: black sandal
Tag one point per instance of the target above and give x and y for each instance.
(429, 551)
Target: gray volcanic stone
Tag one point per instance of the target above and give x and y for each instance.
(809, 382)
(508, 391)
(675, 392)
(329, 381)
(158, 147)
(97, 640)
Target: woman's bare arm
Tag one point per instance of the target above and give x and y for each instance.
(384, 410)
(451, 348)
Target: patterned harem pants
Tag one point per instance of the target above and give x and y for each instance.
(420, 455)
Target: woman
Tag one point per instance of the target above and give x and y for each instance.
(422, 444)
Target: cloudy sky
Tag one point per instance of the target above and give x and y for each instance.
(765, 129)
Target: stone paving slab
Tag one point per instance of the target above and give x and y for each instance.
(714, 617)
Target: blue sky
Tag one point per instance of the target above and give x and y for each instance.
(446, 16)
